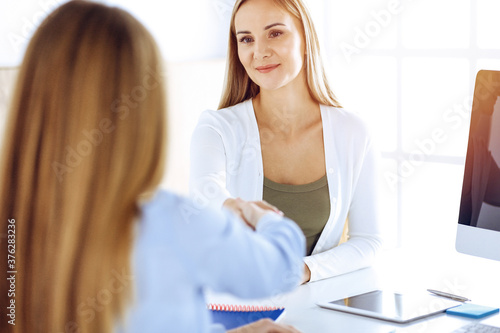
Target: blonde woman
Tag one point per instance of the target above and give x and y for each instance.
(93, 246)
(280, 135)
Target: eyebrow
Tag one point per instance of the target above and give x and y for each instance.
(267, 27)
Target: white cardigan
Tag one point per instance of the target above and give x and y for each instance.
(226, 161)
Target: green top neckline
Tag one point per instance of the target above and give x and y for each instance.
(289, 188)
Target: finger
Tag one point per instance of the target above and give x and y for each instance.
(242, 216)
(251, 214)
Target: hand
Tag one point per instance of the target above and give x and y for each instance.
(264, 326)
(254, 210)
(234, 205)
(250, 211)
(307, 274)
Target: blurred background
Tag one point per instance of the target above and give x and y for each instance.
(407, 67)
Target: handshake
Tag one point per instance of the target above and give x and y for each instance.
(250, 211)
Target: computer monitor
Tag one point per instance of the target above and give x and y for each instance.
(478, 230)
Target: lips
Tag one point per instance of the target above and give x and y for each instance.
(267, 68)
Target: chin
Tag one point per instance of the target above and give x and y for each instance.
(270, 85)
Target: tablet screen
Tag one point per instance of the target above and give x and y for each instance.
(392, 306)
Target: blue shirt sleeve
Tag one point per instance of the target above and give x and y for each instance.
(219, 251)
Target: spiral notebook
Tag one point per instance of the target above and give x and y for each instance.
(232, 316)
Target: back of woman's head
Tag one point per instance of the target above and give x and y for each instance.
(239, 87)
(84, 140)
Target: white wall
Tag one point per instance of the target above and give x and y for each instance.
(18, 21)
(185, 30)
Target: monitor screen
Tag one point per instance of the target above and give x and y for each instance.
(479, 217)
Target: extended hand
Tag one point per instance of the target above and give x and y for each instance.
(250, 211)
(307, 274)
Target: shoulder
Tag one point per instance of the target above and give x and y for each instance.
(345, 118)
(237, 113)
(234, 124)
(346, 128)
(160, 200)
(346, 123)
(162, 206)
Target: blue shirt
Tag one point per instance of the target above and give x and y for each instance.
(182, 248)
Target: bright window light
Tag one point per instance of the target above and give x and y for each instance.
(488, 24)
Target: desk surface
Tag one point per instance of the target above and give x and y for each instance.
(475, 278)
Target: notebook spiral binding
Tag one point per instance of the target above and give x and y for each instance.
(241, 308)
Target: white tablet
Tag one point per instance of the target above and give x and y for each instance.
(399, 308)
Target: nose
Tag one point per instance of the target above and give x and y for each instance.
(262, 50)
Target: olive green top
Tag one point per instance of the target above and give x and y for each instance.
(308, 205)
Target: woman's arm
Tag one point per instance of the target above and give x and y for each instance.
(364, 227)
(221, 252)
(207, 179)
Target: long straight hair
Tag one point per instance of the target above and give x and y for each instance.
(238, 86)
(85, 141)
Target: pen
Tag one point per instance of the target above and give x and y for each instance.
(448, 295)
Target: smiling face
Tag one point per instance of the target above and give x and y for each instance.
(270, 44)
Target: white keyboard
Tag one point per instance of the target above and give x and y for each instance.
(477, 328)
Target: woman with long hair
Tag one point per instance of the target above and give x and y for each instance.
(92, 246)
(281, 135)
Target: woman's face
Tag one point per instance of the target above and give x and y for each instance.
(270, 44)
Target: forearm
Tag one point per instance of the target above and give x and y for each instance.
(207, 176)
(357, 253)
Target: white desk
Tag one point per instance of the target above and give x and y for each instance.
(398, 272)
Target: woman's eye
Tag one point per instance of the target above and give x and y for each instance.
(275, 34)
(246, 40)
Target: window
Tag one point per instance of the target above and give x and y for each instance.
(408, 67)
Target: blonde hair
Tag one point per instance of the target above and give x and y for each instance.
(238, 86)
(85, 141)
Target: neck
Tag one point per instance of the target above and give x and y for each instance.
(291, 104)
